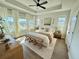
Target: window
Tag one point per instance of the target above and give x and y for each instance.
(31, 24)
(61, 23)
(9, 25)
(22, 24)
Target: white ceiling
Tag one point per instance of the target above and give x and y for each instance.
(51, 3)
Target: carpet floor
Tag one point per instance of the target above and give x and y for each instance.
(60, 50)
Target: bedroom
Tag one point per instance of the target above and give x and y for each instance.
(24, 22)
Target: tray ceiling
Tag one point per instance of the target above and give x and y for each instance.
(51, 5)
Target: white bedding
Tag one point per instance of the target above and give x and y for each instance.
(51, 33)
(45, 38)
(44, 53)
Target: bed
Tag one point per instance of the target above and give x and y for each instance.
(46, 51)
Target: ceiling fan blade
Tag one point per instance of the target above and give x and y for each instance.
(44, 3)
(42, 7)
(35, 1)
(32, 5)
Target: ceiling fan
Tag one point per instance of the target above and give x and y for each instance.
(39, 4)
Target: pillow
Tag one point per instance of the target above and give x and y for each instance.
(41, 37)
(48, 35)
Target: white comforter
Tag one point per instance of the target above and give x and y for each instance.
(45, 38)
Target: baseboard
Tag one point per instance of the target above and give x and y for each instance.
(69, 55)
(67, 44)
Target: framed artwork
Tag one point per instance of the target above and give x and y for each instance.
(47, 21)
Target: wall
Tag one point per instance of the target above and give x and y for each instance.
(73, 12)
(73, 51)
(72, 41)
(54, 16)
(3, 11)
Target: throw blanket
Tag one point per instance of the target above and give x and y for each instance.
(38, 39)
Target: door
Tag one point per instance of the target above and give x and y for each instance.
(74, 46)
(71, 29)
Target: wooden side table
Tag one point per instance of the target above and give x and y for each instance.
(14, 52)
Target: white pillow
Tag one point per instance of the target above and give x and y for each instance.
(45, 38)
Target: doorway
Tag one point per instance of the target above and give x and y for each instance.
(71, 30)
